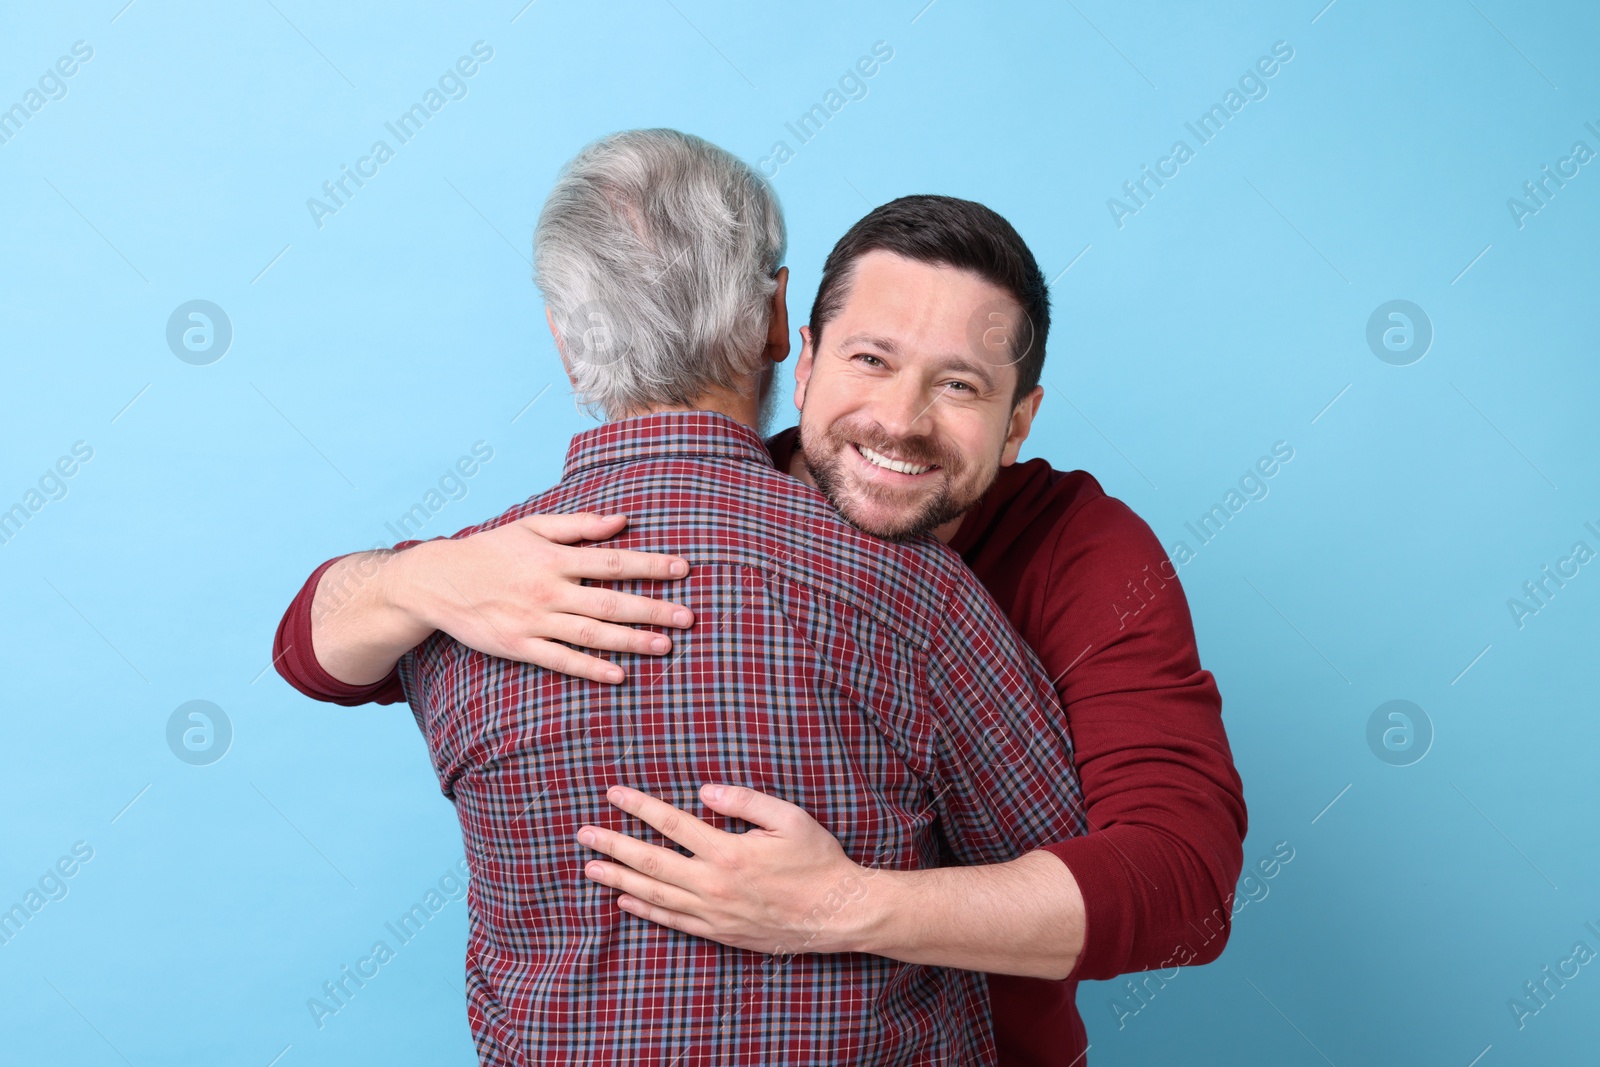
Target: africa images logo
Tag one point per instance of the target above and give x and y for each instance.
(199, 332)
(199, 732)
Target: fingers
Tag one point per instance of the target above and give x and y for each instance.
(575, 664)
(621, 564)
(648, 891)
(611, 605)
(645, 863)
(605, 637)
(769, 813)
(673, 824)
(567, 529)
(672, 920)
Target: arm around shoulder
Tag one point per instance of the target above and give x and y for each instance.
(336, 593)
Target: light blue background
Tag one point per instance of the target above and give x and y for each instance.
(370, 353)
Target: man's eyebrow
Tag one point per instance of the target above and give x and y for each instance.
(963, 365)
(887, 344)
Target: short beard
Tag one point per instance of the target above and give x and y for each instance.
(949, 503)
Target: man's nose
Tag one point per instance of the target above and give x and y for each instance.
(906, 408)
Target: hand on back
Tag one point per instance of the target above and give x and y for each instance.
(517, 590)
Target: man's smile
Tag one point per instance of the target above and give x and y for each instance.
(889, 463)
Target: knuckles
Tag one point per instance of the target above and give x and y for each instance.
(608, 605)
(719, 894)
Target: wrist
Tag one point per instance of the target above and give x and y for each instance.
(879, 915)
(403, 586)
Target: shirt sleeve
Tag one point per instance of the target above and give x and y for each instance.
(296, 660)
(1165, 806)
(1001, 747)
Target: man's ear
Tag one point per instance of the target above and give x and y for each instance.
(561, 349)
(803, 366)
(1021, 423)
(777, 349)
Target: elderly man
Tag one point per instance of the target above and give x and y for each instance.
(874, 684)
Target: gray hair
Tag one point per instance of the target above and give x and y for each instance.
(657, 253)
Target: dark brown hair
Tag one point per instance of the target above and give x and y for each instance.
(950, 232)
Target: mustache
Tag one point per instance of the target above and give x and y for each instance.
(921, 450)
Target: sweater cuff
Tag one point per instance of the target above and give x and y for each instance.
(296, 657)
(1108, 919)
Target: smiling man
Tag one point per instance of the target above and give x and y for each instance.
(917, 385)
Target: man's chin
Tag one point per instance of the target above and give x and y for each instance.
(891, 523)
(890, 512)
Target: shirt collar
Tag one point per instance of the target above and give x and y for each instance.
(664, 435)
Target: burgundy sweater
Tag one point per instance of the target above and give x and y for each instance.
(1088, 586)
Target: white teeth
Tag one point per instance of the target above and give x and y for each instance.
(881, 460)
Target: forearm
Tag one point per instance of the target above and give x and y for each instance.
(1025, 917)
(360, 624)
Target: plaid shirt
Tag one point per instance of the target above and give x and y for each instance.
(875, 685)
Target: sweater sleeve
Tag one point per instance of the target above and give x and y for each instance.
(296, 659)
(1165, 806)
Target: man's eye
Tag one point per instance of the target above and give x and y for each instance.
(960, 387)
(869, 360)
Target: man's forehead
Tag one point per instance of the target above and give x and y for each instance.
(897, 275)
(885, 286)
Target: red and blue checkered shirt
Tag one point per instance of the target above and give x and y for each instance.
(875, 685)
